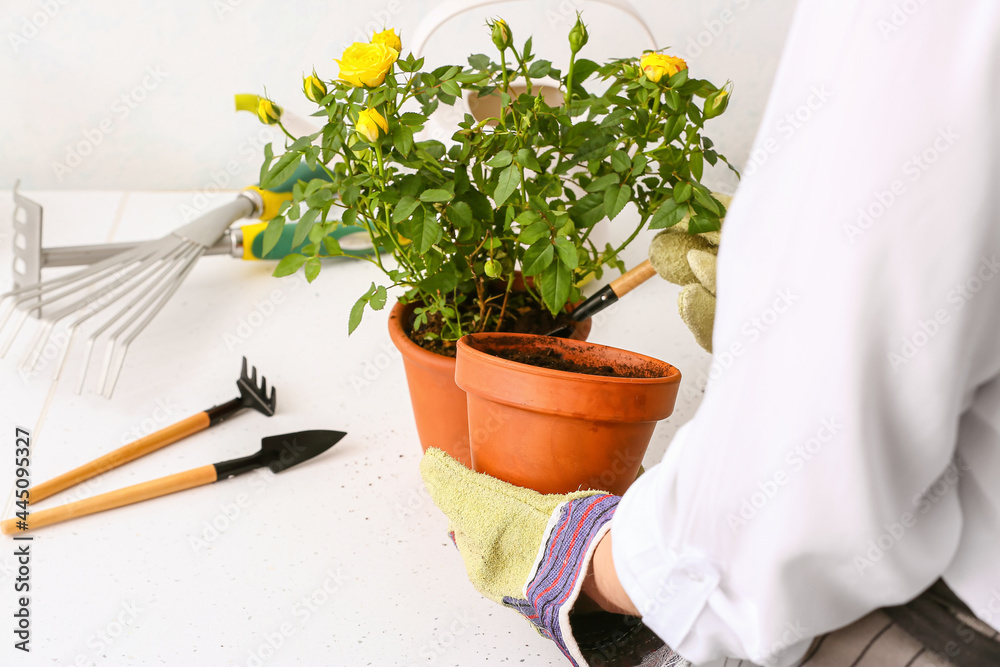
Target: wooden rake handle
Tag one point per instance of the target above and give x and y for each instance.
(122, 455)
(106, 501)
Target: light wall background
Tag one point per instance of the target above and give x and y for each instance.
(138, 95)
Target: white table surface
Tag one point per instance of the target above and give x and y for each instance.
(342, 561)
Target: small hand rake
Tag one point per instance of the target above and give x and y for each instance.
(146, 275)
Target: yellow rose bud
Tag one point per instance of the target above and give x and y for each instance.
(366, 64)
(314, 88)
(657, 65)
(268, 112)
(716, 103)
(501, 34)
(369, 123)
(389, 38)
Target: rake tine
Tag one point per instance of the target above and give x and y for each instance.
(154, 306)
(155, 278)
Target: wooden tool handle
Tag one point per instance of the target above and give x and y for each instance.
(127, 496)
(636, 276)
(129, 452)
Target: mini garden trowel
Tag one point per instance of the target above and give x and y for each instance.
(277, 452)
(607, 295)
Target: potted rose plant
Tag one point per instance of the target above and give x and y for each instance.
(491, 232)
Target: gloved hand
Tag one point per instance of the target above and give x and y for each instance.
(531, 552)
(689, 260)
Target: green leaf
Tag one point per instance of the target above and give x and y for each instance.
(460, 214)
(697, 164)
(404, 209)
(510, 179)
(682, 191)
(358, 310)
(273, 233)
(534, 231)
(603, 183)
(501, 159)
(567, 253)
(556, 282)
(708, 201)
(377, 302)
(639, 164)
(588, 210)
(332, 246)
(451, 88)
(700, 224)
(431, 196)
(667, 215)
(312, 269)
(678, 79)
(412, 119)
(281, 171)
(304, 226)
(429, 233)
(582, 70)
(289, 264)
(620, 161)
(615, 199)
(402, 140)
(526, 158)
(537, 257)
(479, 61)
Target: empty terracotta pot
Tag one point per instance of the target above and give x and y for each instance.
(439, 406)
(558, 431)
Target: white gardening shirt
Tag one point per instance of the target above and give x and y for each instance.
(847, 451)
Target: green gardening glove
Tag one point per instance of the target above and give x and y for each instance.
(689, 260)
(531, 552)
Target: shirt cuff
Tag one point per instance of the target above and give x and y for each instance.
(669, 586)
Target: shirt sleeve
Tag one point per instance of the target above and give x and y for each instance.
(858, 310)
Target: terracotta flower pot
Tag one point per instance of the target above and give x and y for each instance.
(439, 406)
(557, 431)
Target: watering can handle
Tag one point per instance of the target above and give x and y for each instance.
(452, 8)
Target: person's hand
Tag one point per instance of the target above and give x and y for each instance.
(532, 552)
(689, 260)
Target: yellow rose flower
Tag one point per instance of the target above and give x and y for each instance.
(369, 123)
(366, 64)
(657, 65)
(268, 112)
(389, 38)
(314, 88)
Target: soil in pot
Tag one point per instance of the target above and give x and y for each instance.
(554, 359)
